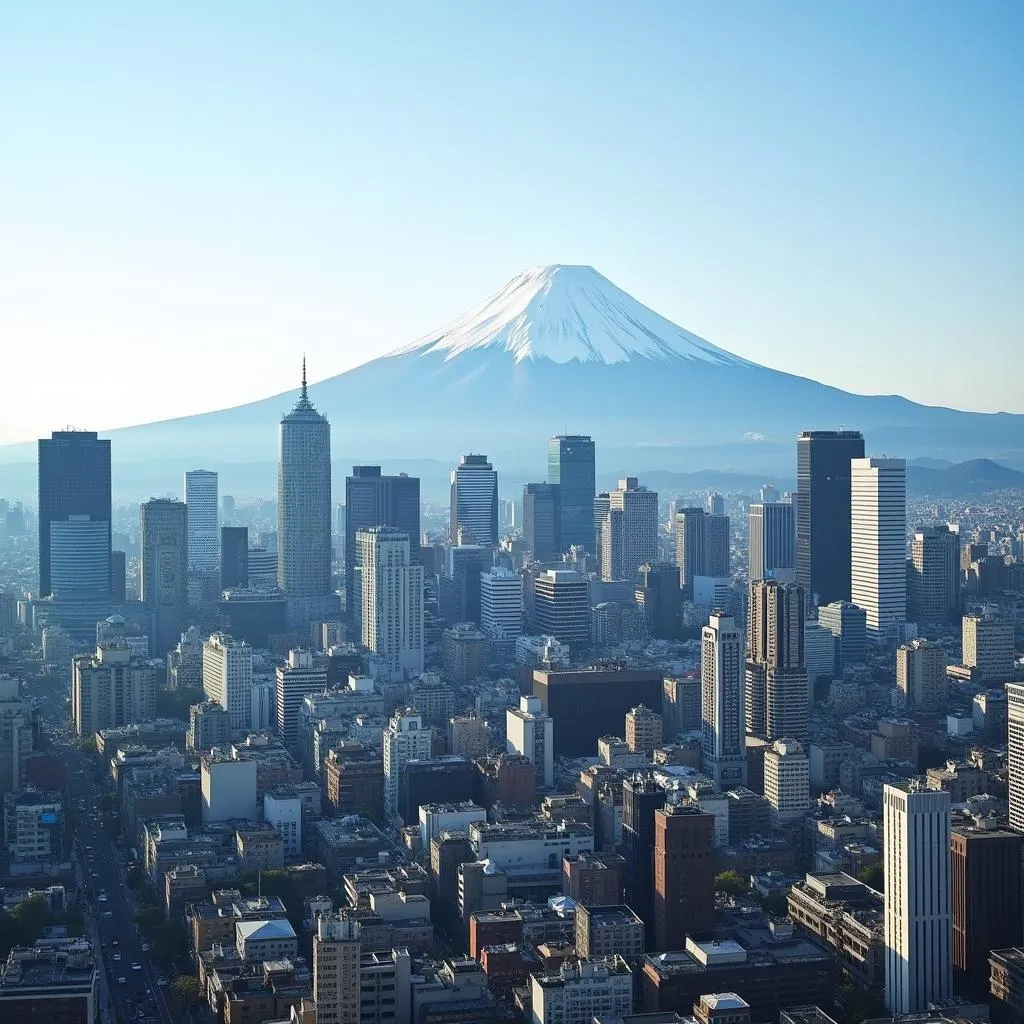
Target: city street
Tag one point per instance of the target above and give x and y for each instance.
(129, 976)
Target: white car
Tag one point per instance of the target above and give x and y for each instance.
(136, 966)
(122, 981)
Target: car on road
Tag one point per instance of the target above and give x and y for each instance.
(136, 966)
(107, 914)
(117, 956)
(122, 981)
(102, 897)
(161, 979)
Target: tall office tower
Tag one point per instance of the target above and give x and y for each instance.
(921, 675)
(405, 739)
(234, 557)
(878, 539)
(16, 739)
(111, 688)
(74, 480)
(724, 747)
(530, 731)
(772, 552)
(787, 781)
(988, 648)
(541, 521)
(293, 681)
(716, 505)
(392, 602)
(561, 607)
(501, 603)
(986, 867)
(629, 532)
(340, 516)
(163, 569)
(768, 493)
(375, 500)
(227, 676)
(641, 798)
(117, 577)
(474, 502)
(659, 600)
(848, 624)
(1015, 753)
(933, 576)
(684, 874)
(304, 511)
(823, 515)
(918, 903)
(227, 508)
(702, 545)
(203, 556)
(336, 977)
(571, 468)
(459, 585)
(777, 701)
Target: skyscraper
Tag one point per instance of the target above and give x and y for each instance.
(878, 540)
(541, 521)
(293, 681)
(234, 557)
(201, 503)
(571, 467)
(721, 667)
(372, 499)
(702, 544)
(561, 607)
(74, 481)
(933, 581)
(227, 676)
(772, 549)
(641, 798)
(823, 512)
(918, 903)
(921, 675)
(684, 874)
(110, 687)
(777, 695)
(336, 977)
(304, 511)
(474, 502)
(163, 569)
(392, 602)
(501, 604)
(629, 532)
(405, 739)
(1015, 753)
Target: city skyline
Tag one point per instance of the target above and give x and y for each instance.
(764, 158)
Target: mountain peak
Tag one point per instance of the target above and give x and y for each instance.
(564, 313)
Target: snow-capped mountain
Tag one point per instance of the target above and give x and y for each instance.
(564, 313)
(561, 349)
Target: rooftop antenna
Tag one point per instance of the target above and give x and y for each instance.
(305, 396)
(259, 871)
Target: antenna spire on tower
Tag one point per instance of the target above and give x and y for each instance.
(305, 396)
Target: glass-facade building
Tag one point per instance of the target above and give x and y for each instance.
(571, 467)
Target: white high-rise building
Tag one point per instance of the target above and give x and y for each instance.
(292, 682)
(474, 507)
(918, 898)
(111, 688)
(405, 740)
(787, 780)
(723, 734)
(501, 604)
(203, 530)
(629, 530)
(772, 550)
(1015, 752)
(227, 676)
(283, 810)
(304, 511)
(336, 977)
(530, 731)
(391, 600)
(878, 545)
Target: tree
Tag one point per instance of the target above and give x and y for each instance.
(149, 920)
(874, 876)
(186, 992)
(731, 883)
(175, 703)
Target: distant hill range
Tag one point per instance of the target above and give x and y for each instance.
(975, 476)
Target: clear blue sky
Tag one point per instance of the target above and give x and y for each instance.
(193, 194)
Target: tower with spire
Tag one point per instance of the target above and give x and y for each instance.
(304, 512)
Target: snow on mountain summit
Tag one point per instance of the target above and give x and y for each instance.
(564, 313)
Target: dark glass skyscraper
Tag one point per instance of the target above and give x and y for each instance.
(540, 521)
(234, 557)
(375, 500)
(823, 512)
(571, 466)
(74, 487)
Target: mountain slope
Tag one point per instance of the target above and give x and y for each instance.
(975, 476)
(561, 350)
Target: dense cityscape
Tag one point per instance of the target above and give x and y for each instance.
(558, 756)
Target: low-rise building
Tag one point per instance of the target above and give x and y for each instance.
(609, 931)
(54, 980)
(576, 993)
